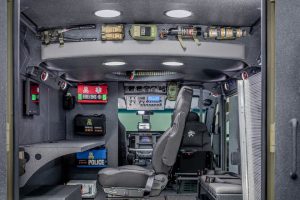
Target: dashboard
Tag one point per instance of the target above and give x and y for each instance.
(145, 96)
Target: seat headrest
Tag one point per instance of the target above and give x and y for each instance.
(183, 101)
(192, 116)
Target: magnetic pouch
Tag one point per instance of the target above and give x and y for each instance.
(90, 125)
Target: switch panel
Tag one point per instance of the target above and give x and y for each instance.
(145, 102)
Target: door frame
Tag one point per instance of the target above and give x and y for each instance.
(3, 100)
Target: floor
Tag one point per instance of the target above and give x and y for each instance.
(165, 195)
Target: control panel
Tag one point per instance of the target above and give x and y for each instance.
(145, 102)
(141, 146)
(142, 88)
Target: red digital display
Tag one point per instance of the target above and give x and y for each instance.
(92, 93)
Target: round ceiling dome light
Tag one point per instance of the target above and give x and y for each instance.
(114, 63)
(178, 13)
(107, 13)
(173, 63)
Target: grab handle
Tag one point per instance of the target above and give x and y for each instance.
(293, 173)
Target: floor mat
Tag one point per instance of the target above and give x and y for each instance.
(165, 195)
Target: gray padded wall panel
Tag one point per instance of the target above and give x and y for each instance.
(30, 49)
(111, 112)
(3, 90)
(52, 172)
(287, 96)
(49, 125)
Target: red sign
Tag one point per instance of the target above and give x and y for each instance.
(92, 93)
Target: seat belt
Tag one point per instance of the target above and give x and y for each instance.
(149, 185)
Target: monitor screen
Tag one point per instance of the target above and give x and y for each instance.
(145, 139)
(144, 126)
(153, 98)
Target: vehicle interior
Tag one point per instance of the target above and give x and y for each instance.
(160, 100)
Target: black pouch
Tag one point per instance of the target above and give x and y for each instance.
(90, 125)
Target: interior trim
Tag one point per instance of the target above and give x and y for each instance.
(137, 48)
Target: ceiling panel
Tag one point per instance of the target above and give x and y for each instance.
(83, 61)
(194, 69)
(52, 13)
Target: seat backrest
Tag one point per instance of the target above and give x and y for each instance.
(166, 149)
(195, 134)
(122, 144)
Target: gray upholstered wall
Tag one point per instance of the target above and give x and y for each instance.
(49, 125)
(287, 96)
(3, 91)
(111, 112)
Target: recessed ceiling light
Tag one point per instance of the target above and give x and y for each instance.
(178, 13)
(107, 13)
(172, 63)
(114, 63)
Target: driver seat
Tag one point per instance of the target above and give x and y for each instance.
(132, 181)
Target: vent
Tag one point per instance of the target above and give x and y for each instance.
(250, 109)
(145, 75)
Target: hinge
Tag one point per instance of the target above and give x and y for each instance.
(272, 138)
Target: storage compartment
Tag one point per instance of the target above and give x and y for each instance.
(90, 125)
(60, 192)
(88, 187)
(187, 184)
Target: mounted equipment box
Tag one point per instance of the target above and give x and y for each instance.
(96, 158)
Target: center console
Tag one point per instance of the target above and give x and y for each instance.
(144, 97)
(141, 146)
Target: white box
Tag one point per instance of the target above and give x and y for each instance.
(88, 187)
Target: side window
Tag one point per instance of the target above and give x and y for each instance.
(130, 120)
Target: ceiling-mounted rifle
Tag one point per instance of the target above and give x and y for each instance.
(57, 35)
(185, 32)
